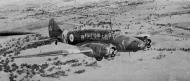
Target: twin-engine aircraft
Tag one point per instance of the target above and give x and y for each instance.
(104, 43)
(94, 42)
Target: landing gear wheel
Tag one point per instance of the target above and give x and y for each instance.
(112, 55)
(56, 42)
(99, 58)
(106, 57)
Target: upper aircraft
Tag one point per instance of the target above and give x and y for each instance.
(95, 43)
(122, 42)
(97, 38)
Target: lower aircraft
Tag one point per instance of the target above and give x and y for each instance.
(94, 42)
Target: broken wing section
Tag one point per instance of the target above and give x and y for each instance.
(13, 33)
(80, 50)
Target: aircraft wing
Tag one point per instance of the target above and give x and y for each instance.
(59, 52)
(11, 33)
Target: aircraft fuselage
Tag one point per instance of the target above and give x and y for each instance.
(122, 42)
(75, 37)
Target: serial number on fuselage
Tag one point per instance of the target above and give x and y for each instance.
(91, 35)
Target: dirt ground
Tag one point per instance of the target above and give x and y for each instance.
(166, 21)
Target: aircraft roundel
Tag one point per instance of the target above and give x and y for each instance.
(71, 37)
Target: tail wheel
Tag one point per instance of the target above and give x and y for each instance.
(99, 58)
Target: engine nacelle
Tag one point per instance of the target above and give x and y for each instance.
(101, 50)
(146, 40)
(127, 43)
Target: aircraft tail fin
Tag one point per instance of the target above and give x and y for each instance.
(54, 29)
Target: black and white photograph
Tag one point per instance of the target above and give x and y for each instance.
(94, 40)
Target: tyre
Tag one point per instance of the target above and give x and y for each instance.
(99, 58)
(106, 57)
(56, 42)
(112, 55)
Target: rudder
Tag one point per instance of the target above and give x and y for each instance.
(54, 29)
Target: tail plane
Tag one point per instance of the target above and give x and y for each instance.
(54, 29)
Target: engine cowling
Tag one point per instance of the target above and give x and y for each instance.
(146, 40)
(101, 50)
(127, 43)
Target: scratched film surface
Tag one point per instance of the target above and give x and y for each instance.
(46, 40)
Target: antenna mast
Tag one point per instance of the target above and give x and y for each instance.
(111, 24)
